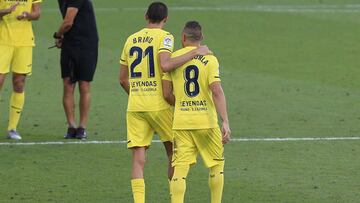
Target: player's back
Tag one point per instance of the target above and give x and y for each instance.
(194, 106)
(14, 32)
(140, 54)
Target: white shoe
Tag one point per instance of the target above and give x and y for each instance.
(14, 135)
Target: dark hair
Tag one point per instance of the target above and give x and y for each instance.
(157, 12)
(192, 31)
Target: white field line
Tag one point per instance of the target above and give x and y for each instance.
(346, 8)
(158, 141)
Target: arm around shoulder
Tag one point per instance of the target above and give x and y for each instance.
(168, 63)
(7, 11)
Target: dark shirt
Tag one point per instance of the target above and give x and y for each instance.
(83, 33)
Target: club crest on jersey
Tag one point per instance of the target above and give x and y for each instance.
(168, 42)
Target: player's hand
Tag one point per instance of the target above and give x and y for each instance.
(12, 8)
(24, 15)
(58, 43)
(203, 50)
(226, 132)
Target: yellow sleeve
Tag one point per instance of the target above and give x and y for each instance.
(166, 43)
(123, 57)
(214, 71)
(167, 76)
(36, 1)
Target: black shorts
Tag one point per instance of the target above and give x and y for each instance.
(78, 63)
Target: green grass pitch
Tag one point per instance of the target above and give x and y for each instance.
(289, 69)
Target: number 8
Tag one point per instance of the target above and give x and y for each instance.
(191, 79)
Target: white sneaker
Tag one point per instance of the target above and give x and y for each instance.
(12, 134)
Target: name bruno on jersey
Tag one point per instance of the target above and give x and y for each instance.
(142, 39)
(143, 86)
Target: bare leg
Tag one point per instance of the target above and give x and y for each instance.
(138, 164)
(68, 101)
(85, 98)
(2, 80)
(169, 152)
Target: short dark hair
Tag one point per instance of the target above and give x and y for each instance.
(193, 31)
(157, 12)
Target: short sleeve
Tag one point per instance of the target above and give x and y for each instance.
(36, 1)
(75, 3)
(123, 57)
(166, 43)
(214, 71)
(167, 76)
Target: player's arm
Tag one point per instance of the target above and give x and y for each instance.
(33, 15)
(66, 25)
(124, 70)
(4, 12)
(220, 104)
(124, 78)
(68, 21)
(168, 64)
(168, 92)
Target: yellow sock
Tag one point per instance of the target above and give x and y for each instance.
(17, 101)
(178, 184)
(138, 190)
(216, 182)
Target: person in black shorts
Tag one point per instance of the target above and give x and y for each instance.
(78, 39)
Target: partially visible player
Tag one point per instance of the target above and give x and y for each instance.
(145, 55)
(16, 46)
(78, 39)
(198, 98)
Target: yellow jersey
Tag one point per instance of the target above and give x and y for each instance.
(140, 55)
(15, 32)
(194, 105)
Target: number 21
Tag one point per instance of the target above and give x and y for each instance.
(139, 52)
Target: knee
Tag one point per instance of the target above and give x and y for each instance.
(141, 161)
(68, 89)
(217, 169)
(18, 84)
(68, 85)
(84, 87)
(139, 157)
